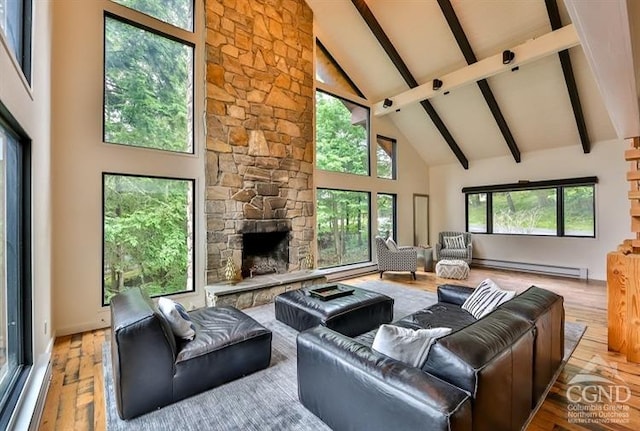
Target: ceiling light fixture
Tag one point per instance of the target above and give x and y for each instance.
(387, 103)
(437, 84)
(507, 56)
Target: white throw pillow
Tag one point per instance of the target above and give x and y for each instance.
(407, 345)
(486, 298)
(454, 241)
(178, 318)
(391, 244)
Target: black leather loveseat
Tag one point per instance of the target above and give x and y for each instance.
(487, 375)
(151, 368)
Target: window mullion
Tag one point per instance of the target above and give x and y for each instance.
(560, 210)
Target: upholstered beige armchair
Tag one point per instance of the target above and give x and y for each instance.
(454, 245)
(402, 259)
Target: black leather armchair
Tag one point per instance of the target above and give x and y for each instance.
(152, 369)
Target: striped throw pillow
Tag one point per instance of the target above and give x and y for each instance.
(454, 241)
(486, 298)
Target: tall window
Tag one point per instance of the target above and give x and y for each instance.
(342, 135)
(15, 270)
(148, 91)
(149, 86)
(15, 25)
(543, 208)
(387, 215)
(343, 227)
(386, 156)
(148, 234)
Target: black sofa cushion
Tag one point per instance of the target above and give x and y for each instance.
(351, 387)
(228, 345)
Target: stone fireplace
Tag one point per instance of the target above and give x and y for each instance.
(259, 123)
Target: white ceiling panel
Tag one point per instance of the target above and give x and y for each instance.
(535, 103)
(469, 120)
(493, 26)
(349, 40)
(421, 35)
(596, 117)
(414, 124)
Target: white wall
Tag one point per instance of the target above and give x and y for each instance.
(81, 157)
(606, 161)
(30, 106)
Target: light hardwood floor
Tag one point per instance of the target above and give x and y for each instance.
(76, 395)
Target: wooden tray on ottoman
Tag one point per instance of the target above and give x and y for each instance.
(331, 291)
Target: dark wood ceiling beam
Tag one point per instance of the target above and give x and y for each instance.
(470, 57)
(567, 71)
(394, 56)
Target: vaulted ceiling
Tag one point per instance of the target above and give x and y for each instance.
(534, 100)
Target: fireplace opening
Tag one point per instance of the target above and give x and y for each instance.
(265, 253)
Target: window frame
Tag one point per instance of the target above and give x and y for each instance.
(368, 130)
(21, 293)
(193, 231)
(394, 157)
(369, 236)
(122, 19)
(558, 185)
(24, 59)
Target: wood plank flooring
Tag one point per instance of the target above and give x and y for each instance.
(75, 400)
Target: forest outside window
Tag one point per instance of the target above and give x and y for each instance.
(175, 12)
(342, 135)
(343, 227)
(148, 88)
(387, 215)
(542, 208)
(148, 234)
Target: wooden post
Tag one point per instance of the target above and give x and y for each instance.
(633, 307)
(616, 302)
(623, 273)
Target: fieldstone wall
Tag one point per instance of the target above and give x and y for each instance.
(259, 125)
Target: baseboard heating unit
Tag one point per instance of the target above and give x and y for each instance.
(536, 268)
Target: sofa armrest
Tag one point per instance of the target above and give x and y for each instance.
(350, 386)
(142, 355)
(454, 294)
(438, 249)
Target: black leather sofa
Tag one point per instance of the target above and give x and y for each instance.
(487, 375)
(151, 368)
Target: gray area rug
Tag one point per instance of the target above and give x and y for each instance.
(268, 399)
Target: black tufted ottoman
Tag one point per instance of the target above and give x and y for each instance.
(350, 315)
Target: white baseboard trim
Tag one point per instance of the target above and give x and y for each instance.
(535, 268)
(344, 272)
